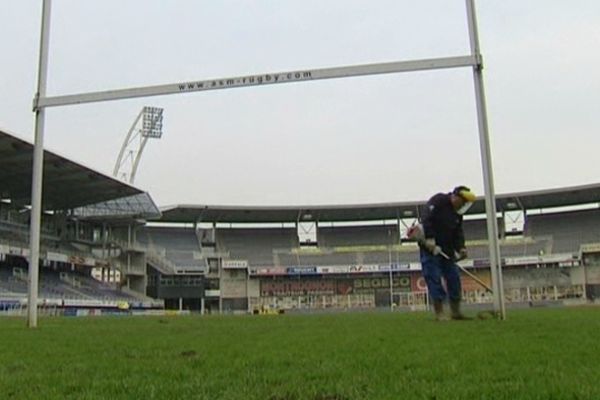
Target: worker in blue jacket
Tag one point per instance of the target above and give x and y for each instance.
(443, 246)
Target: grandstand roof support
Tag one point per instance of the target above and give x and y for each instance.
(473, 60)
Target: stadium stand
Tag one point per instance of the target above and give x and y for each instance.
(180, 246)
(258, 246)
(358, 235)
(87, 220)
(477, 229)
(358, 261)
(566, 230)
(61, 285)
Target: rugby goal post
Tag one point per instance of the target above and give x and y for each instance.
(42, 101)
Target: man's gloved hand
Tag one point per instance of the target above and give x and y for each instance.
(461, 254)
(431, 247)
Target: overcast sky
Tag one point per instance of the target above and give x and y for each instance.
(395, 137)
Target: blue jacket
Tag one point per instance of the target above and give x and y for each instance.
(444, 224)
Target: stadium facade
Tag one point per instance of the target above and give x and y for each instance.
(107, 247)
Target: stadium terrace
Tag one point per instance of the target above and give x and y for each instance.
(108, 249)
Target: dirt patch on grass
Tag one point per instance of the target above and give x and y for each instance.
(188, 353)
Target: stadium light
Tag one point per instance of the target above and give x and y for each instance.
(134, 144)
(473, 60)
(152, 122)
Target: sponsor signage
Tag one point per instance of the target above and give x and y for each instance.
(88, 303)
(317, 286)
(17, 251)
(268, 271)
(395, 267)
(357, 269)
(297, 287)
(235, 264)
(50, 256)
(75, 260)
(333, 269)
(418, 283)
(302, 270)
(527, 260)
(590, 248)
(569, 263)
(556, 258)
(89, 261)
(367, 284)
(102, 264)
(566, 259)
(415, 266)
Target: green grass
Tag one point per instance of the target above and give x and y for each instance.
(535, 354)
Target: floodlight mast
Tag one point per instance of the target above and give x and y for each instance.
(128, 140)
(152, 118)
(473, 60)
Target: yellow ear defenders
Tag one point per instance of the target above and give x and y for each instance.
(465, 193)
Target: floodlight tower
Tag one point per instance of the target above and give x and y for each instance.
(135, 141)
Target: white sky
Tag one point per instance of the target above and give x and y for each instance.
(398, 137)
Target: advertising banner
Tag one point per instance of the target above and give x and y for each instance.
(468, 284)
(296, 287)
(395, 267)
(399, 283)
(89, 261)
(590, 248)
(334, 269)
(302, 270)
(525, 260)
(50, 256)
(357, 269)
(75, 260)
(417, 282)
(268, 271)
(18, 251)
(235, 264)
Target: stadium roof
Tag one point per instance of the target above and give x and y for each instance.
(67, 184)
(541, 199)
(138, 206)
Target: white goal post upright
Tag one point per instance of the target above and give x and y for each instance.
(486, 164)
(474, 60)
(37, 171)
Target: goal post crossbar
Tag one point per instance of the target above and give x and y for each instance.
(260, 80)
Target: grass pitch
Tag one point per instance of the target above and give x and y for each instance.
(535, 354)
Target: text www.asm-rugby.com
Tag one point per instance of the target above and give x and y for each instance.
(246, 80)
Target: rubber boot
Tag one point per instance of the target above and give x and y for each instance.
(438, 308)
(455, 312)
